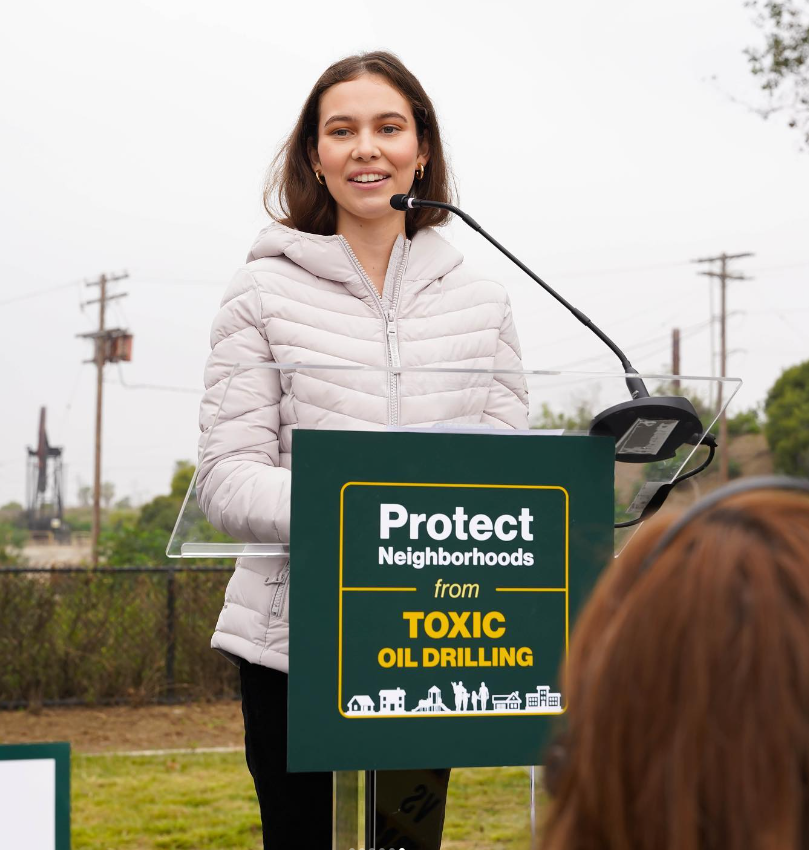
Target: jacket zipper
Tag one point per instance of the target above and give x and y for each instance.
(389, 319)
(281, 582)
(393, 337)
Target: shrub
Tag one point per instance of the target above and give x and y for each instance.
(101, 637)
(745, 422)
(12, 541)
(787, 425)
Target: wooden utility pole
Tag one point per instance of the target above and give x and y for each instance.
(106, 350)
(675, 356)
(724, 276)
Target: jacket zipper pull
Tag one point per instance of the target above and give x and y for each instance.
(393, 342)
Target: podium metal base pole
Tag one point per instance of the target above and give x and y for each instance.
(370, 808)
(348, 819)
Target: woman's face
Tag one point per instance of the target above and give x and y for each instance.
(366, 127)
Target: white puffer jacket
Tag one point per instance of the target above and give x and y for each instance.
(303, 298)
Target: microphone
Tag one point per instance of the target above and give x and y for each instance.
(645, 429)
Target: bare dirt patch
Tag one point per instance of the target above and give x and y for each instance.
(123, 728)
(71, 554)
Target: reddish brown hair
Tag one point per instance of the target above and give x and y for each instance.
(688, 690)
(292, 194)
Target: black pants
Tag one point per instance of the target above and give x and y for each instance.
(296, 808)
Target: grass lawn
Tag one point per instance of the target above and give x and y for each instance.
(206, 801)
(487, 808)
(195, 801)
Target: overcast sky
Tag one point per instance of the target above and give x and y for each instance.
(607, 144)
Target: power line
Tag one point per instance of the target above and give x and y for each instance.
(684, 334)
(123, 383)
(623, 320)
(69, 404)
(781, 268)
(78, 283)
(625, 270)
(40, 292)
(799, 332)
(173, 281)
(170, 280)
(778, 311)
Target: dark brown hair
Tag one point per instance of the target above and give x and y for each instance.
(688, 690)
(305, 204)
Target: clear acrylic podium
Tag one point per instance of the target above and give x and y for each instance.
(559, 403)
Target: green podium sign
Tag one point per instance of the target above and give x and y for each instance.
(435, 577)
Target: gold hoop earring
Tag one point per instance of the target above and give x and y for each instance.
(320, 178)
(420, 172)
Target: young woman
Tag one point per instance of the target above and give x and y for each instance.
(338, 277)
(688, 685)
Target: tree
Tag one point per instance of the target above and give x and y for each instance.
(782, 64)
(745, 422)
(787, 426)
(578, 419)
(12, 513)
(180, 481)
(85, 494)
(161, 513)
(12, 542)
(107, 493)
(143, 541)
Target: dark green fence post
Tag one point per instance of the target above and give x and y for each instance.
(170, 634)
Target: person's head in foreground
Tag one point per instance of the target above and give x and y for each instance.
(688, 686)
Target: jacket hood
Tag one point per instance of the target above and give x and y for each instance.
(431, 256)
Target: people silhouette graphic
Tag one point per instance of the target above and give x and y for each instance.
(461, 696)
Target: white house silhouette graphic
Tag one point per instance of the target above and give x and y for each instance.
(392, 702)
(543, 698)
(361, 705)
(510, 702)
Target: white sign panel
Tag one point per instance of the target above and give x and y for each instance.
(28, 803)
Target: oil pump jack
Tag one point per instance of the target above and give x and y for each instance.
(44, 487)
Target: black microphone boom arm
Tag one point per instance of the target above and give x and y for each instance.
(636, 387)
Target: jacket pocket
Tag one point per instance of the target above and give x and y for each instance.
(278, 606)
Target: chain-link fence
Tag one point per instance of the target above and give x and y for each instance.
(74, 635)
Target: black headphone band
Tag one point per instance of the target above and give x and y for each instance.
(742, 485)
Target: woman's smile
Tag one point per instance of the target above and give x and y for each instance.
(368, 179)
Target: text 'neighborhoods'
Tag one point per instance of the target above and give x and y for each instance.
(461, 527)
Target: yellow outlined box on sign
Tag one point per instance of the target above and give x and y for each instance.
(344, 589)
